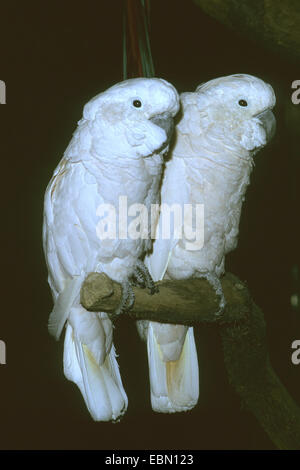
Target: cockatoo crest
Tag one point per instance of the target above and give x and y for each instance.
(232, 106)
(121, 118)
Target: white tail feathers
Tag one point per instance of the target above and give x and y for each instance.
(100, 384)
(89, 356)
(174, 384)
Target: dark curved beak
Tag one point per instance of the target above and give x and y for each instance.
(166, 122)
(268, 122)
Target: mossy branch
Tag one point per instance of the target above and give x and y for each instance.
(273, 24)
(242, 329)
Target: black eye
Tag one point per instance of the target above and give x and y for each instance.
(243, 103)
(137, 103)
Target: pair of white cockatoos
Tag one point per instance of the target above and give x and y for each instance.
(118, 151)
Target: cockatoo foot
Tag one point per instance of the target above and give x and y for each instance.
(142, 278)
(216, 284)
(127, 300)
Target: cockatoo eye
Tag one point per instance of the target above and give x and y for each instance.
(137, 103)
(243, 103)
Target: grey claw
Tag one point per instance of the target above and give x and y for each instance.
(142, 278)
(127, 300)
(216, 283)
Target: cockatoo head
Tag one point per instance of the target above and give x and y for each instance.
(133, 118)
(239, 106)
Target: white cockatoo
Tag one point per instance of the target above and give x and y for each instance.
(223, 124)
(116, 151)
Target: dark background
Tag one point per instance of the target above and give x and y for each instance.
(55, 56)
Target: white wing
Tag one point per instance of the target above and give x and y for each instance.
(174, 192)
(73, 249)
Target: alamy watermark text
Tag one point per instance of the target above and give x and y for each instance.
(296, 93)
(163, 221)
(2, 352)
(2, 92)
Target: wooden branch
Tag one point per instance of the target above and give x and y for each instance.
(253, 378)
(185, 302)
(243, 334)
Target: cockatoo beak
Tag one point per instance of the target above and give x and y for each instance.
(166, 122)
(268, 122)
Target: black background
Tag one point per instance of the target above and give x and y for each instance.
(55, 56)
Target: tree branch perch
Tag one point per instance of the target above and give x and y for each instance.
(186, 302)
(243, 334)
